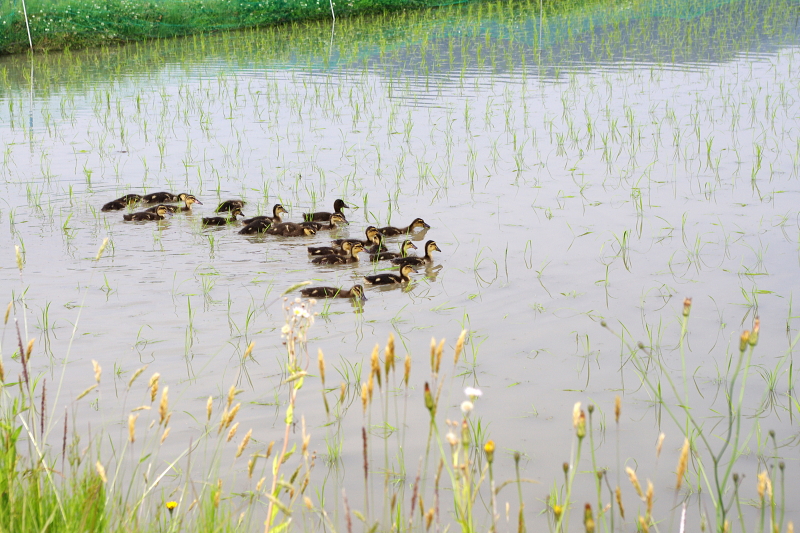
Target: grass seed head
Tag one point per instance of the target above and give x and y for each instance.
(321, 359)
(643, 525)
(376, 367)
(153, 384)
(209, 408)
(101, 249)
(649, 499)
(439, 352)
(8, 312)
(407, 369)
(249, 351)
(164, 435)
(98, 370)
(619, 502)
(687, 306)
(163, 405)
(232, 432)
(389, 362)
(132, 427)
(634, 481)
(136, 374)
(101, 471)
(617, 408)
(244, 443)
(19, 257)
(659, 444)
(232, 414)
(459, 346)
(29, 351)
(260, 483)
(364, 396)
(683, 461)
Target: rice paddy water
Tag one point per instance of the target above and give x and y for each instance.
(584, 169)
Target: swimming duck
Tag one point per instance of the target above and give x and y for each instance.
(161, 197)
(335, 259)
(333, 222)
(356, 292)
(277, 210)
(391, 231)
(329, 250)
(373, 237)
(289, 229)
(430, 247)
(229, 205)
(222, 221)
(159, 214)
(188, 200)
(405, 247)
(391, 279)
(121, 202)
(324, 216)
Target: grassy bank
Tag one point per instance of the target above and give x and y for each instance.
(58, 24)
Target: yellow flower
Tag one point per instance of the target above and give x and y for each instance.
(171, 506)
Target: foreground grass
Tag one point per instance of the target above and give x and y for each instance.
(92, 487)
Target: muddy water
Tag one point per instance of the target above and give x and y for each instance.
(594, 167)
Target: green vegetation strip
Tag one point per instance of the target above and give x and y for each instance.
(58, 24)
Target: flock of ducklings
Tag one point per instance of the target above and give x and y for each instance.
(341, 251)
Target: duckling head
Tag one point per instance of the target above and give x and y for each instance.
(338, 205)
(309, 231)
(163, 211)
(419, 223)
(358, 292)
(408, 245)
(338, 218)
(406, 270)
(190, 199)
(356, 248)
(431, 246)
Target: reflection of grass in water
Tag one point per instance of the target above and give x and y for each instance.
(131, 489)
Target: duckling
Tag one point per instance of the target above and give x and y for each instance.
(229, 205)
(371, 232)
(188, 200)
(159, 214)
(324, 216)
(390, 279)
(390, 231)
(330, 250)
(121, 202)
(405, 247)
(161, 197)
(333, 222)
(335, 259)
(222, 221)
(277, 209)
(289, 229)
(356, 292)
(430, 247)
